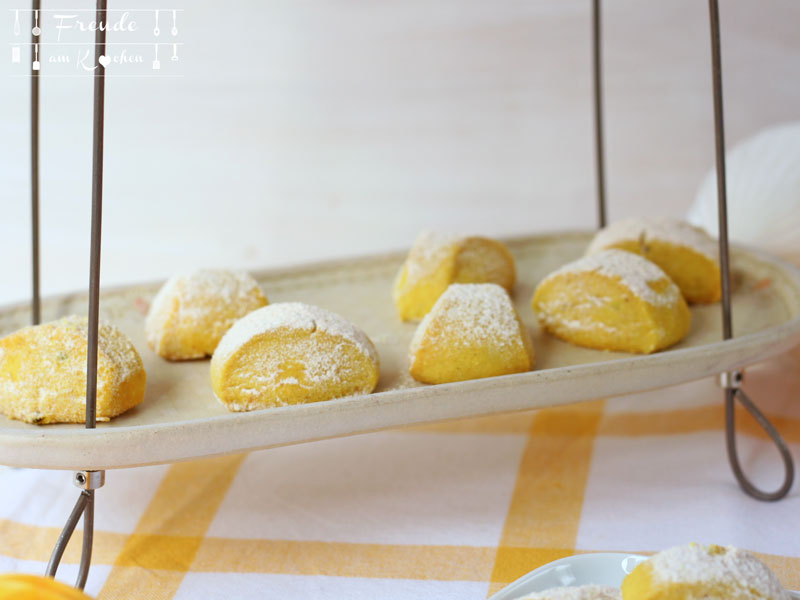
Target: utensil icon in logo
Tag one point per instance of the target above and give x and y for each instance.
(17, 30)
(15, 54)
(174, 53)
(174, 23)
(36, 65)
(156, 62)
(156, 30)
(36, 31)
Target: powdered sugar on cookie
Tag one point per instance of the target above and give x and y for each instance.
(747, 576)
(644, 230)
(480, 313)
(634, 272)
(430, 249)
(296, 316)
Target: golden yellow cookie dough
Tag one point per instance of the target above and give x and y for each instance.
(18, 586)
(698, 571)
(292, 353)
(473, 331)
(436, 260)
(686, 253)
(612, 300)
(43, 372)
(191, 313)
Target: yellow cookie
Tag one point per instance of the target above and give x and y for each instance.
(292, 353)
(436, 260)
(583, 592)
(686, 253)
(16, 586)
(612, 300)
(697, 571)
(43, 373)
(473, 331)
(191, 313)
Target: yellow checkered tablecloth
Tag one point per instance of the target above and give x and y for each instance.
(452, 510)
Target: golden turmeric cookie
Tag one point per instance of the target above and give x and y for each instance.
(700, 571)
(473, 331)
(436, 260)
(292, 353)
(686, 253)
(43, 372)
(191, 313)
(18, 586)
(583, 592)
(612, 300)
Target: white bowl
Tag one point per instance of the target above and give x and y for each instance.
(602, 568)
(605, 568)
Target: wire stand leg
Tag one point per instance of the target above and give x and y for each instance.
(731, 395)
(88, 539)
(66, 534)
(598, 113)
(90, 480)
(732, 381)
(35, 303)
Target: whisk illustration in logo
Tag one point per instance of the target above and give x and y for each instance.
(61, 42)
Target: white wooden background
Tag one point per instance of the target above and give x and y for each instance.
(308, 129)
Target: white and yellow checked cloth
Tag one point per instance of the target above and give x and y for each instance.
(453, 510)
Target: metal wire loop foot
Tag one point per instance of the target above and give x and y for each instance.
(84, 506)
(736, 393)
(88, 481)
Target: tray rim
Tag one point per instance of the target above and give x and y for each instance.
(754, 346)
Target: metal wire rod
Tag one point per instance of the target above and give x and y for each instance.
(35, 302)
(598, 114)
(722, 196)
(97, 217)
(66, 534)
(90, 480)
(731, 395)
(88, 540)
(732, 391)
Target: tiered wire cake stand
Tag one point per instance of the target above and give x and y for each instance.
(180, 420)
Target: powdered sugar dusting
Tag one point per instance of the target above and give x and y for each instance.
(482, 312)
(428, 252)
(228, 286)
(745, 575)
(319, 368)
(194, 289)
(191, 312)
(584, 592)
(59, 349)
(112, 344)
(296, 316)
(665, 229)
(633, 271)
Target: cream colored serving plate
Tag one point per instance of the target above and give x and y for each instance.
(180, 418)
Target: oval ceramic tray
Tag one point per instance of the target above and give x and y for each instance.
(181, 419)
